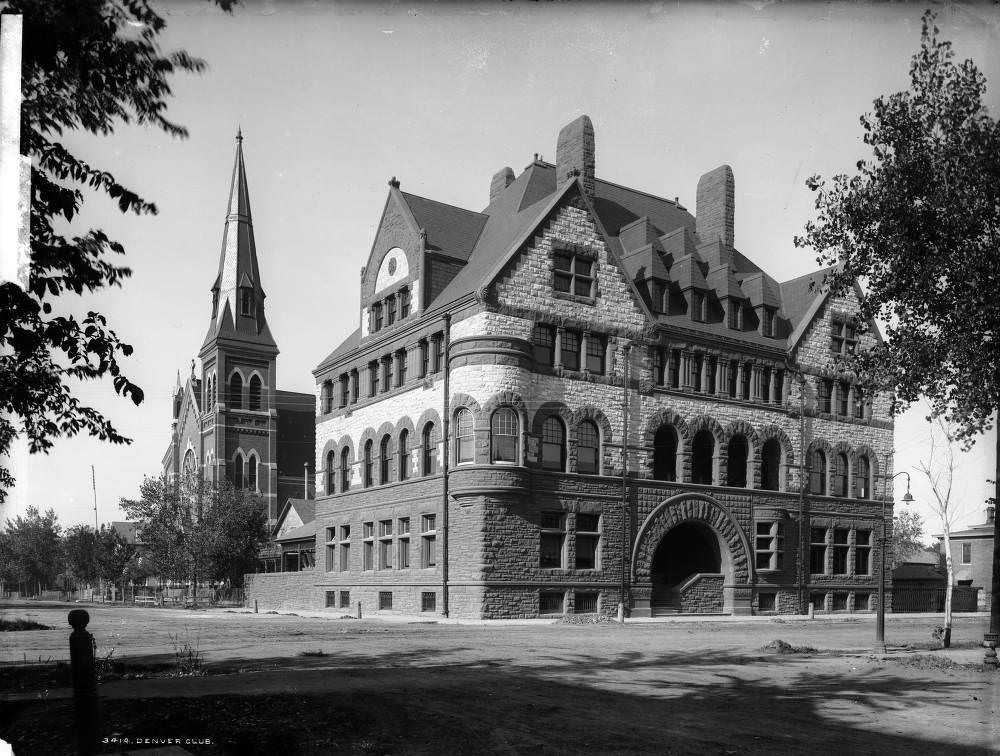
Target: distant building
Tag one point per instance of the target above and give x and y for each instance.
(513, 367)
(972, 557)
(230, 421)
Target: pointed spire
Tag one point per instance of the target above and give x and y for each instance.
(239, 196)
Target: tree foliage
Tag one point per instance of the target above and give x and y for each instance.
(33, 550)
(907, 532)
(87, 65)
(919, 224)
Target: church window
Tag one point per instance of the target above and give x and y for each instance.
(236, 391)
(573, 274)
(252, 472)
(190, 463)
(595, 353)
(331, 472)
(570, 356)
(544, 344)
(737, 464)
(238, 471)
(385, 459)
(465, 439)
(404, 303)
(246, 301)
(254, 392)
(428, 450)
(817, 473)
(553, 444)
(369, 470)
(404, 454)
(588, 449)
(345, 470)
(504, 436)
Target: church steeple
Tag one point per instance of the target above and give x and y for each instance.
(237, 294)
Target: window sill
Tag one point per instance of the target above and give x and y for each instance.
(570, 297)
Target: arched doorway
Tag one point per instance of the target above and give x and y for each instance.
(685, 551)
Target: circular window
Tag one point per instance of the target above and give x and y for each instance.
(392, 267)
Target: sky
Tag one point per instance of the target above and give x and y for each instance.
(334, 99)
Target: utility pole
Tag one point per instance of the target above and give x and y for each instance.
(97, 564)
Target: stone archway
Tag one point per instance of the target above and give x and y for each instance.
(690, 555)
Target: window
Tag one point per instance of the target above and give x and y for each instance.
(665, 453)
(373, 378)
(236, 391)
(552, 547)
(745, 385)
(369, 465)
(390, 310)
(699, 306)
(385, 457)
(465, 439)
(770, 465)
(766, 602)
(331, 472)
(966, 553)
(345, 390)
(817, 551)
(438, 340)
(824, 391)
(377, 316)
(839, 603)
(817, 473)
(345, 552)
(385, 601)
(238, 471)
(425, 353)
(403, 466)
(254, 392)
(246, 301)
(345, 471)
(428, 601)
(739, 450)
(768, 324)
(734, 372)
(355, 386)
(845, 338)
(504, 436)
(863, 552)
(818, 600)
(585, 603)
(702, 453)
(252, 472)
(859, 402)
(570, 356)
(588, 540)
(368, 546)
(863, 478)
(551, 602)
(659, 366)
(543, 340)
(595, 354)
(386, 373)
(553, 444)
(695, 363)
(345, 599)
(713, 367)
(403, 544)
(326, 397)
(841, 547)
(404, 302)
(331, 553)
(400, 367)
(844, 399)
(385, 544)
(428, 451)
(675, 368)
(428, 541)
(862, 602)
(768, 546)
(736, 315)
(588, 449)
(331, 599)
(573, 274)
(840, 475)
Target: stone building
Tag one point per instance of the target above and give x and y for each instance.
(231, 421)
(584, 395)
(972, 558)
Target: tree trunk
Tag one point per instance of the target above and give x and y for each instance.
(995, 583)
(950, 569)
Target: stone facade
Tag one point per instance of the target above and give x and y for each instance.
(592, 433)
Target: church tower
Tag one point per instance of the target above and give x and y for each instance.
(239, 422)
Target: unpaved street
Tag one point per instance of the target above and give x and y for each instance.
(425, 687)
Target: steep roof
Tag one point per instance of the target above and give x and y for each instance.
(450, 230)
(799, 295)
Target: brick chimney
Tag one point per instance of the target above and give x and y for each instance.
(991, 514)
(714, 214)
(575, 153)
(501, 180)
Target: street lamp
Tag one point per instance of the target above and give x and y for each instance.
(880, 621)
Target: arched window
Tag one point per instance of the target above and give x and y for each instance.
(331, 472)
(254, 392)
(238, 471)
(863, 478)
(465, 440)
(503, 436)
(252, 472)
(702, 454)
(190, 463)
(588, 449)
(427, 451)
(404, 454)
(236, 391)
(840, 475)
(369, 465)
(770, 465)
(385, 457)
(736, 467)
(553, 444)
(345, 470)
(665, 453)
(817, 473)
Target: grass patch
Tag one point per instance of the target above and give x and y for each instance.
(17, 625)
(779, 646)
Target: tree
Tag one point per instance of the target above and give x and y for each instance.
(919, 224)
(91, 65)
(116, 557)
(907, 530)
(35, 549)
(80, 550)
(195, 530)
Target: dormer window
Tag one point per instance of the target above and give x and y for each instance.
(736, 314)
(699, 306)
(246, 301)
(768, 322)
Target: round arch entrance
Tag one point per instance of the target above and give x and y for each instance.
(690, 556)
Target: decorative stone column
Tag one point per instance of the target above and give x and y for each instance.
(557, 358)
(775, 398)
(705, 373)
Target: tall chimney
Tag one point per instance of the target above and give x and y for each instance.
(501, 180)
(714, 214)
(575, 153)
(991, 514)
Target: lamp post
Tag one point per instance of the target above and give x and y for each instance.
(880, 620)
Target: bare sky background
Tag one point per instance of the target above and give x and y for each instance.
(334, 99)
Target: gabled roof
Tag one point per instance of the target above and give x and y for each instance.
(301, 533)
(762, 290)
(450, 230)
(721, 278)
(687, 272)
(301, 510)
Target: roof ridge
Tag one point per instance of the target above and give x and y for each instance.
(676, 204)
(444, 204)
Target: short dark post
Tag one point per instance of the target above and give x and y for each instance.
(86, 706)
